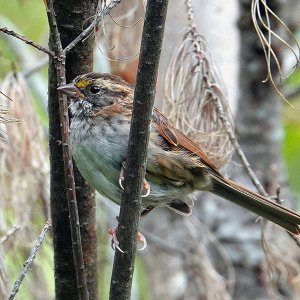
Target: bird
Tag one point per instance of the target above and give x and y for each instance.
(101, 108)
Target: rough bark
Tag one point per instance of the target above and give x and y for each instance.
(71, 17)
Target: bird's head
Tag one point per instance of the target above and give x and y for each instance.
(94, 91)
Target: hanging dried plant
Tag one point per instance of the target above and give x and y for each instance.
(193, 93)
(119, 38)
(24, 169)
(270, 28)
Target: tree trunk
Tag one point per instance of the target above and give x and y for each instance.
(72, 16)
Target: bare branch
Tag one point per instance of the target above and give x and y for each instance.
(29, 261)
(26, 40)
(144, 94)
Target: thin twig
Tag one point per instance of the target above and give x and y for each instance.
(26, 40)
(92, 26)
(67, 157)
(29, 261)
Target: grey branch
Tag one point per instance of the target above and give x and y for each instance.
(29, 261)
(26, 40)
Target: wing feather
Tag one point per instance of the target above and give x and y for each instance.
(179, 139)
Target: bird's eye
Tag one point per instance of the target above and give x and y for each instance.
(95, 89)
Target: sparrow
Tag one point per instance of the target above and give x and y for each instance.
(101, 108)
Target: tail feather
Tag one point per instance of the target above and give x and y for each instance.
(256, 203)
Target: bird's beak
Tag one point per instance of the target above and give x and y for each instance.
(71, 90)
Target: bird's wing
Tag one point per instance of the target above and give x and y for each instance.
(178, 139)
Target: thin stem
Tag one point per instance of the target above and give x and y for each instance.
(26, 40)
(29, 261)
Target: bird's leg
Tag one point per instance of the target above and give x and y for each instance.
(115, 243)
(140, 237)
(146, 184)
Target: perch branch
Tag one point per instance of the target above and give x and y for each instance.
(144, 94)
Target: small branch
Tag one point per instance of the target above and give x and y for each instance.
(29, 261)
(26, 40)
(144, 94)
(91, 27)
(59, 62)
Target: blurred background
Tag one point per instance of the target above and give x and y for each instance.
(216, 253)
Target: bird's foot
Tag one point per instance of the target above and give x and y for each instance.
(121, 176)
(114, 240)
(115, 243)
(146, 184)
(142, 239)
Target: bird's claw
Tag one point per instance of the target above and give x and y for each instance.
(143, 240)
(121, 176)
(146, 184)
(147, 188)
(115, 242)
(120, 182)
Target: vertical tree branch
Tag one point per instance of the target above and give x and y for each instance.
(59, 63)
(152, 37)
(68, 243)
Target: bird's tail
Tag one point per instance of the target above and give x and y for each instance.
(256, 203)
